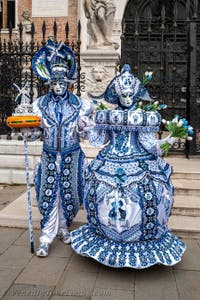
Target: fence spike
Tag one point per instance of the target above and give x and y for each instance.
(136, 23)
(79, 30)
(72, 45)
(175, 13)
(67, 33)
(10, 30)
(43, 33)
(20, 27)
(188, 10)
(149, 17)
(32, 30)
(163, 17)
(4, 45)
(195, 9)
(55, 30)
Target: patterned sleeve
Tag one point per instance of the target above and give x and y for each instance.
(152, 144)
(85, 119)
(98, 137)
(149, 141)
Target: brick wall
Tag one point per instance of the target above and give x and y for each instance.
(24, 5)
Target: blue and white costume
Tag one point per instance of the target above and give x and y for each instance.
(128, 194)
(59, 176)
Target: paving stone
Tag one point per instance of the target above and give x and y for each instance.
(7, 275)
(8, 236)
(188, 283)
(157, 282)
(29, 292)
(59, 249)
(83, 264)
(108, 294)
(120, 279)
(76, 284)
(43, 270)
(23, 240)
(70, 298)
(16, 256)
(191, 257)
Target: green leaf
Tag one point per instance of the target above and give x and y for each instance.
(165, 147)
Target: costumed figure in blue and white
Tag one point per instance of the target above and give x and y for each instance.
(65, 118)
(128, 194)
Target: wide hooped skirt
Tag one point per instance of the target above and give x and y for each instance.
(167, 250)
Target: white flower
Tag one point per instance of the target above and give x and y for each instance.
(189, 138)
(180, 123)
(190, 127)
(148, 74)
(164, 121)
(168, 122)
(140, 103)
(156, 103)
(174, 120)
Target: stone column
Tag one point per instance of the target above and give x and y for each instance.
(100, 59)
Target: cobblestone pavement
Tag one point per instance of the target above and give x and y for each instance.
(65, 275)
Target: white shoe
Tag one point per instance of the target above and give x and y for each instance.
(43, 250)
(65, 237)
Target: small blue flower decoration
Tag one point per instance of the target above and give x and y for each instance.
(120, 171)
(120, 176)
(95, 101)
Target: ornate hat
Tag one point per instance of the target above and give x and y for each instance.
(124, 84)
(55, 61)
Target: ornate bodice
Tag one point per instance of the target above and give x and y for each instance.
(128, 119)
(128, 131)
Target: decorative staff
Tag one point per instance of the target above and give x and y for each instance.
(24, 119)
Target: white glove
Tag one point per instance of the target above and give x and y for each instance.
(171, 140)
(31, 134)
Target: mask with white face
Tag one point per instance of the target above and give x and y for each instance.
(126, 99)
(59, 87)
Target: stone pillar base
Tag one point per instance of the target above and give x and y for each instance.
(99, 66)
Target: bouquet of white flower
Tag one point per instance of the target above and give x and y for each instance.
(178, 129)
(147, 77)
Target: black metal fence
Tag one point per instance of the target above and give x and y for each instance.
(15, 67)
(164, 37)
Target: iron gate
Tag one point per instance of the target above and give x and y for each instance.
(164, 37)
(15, 67)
